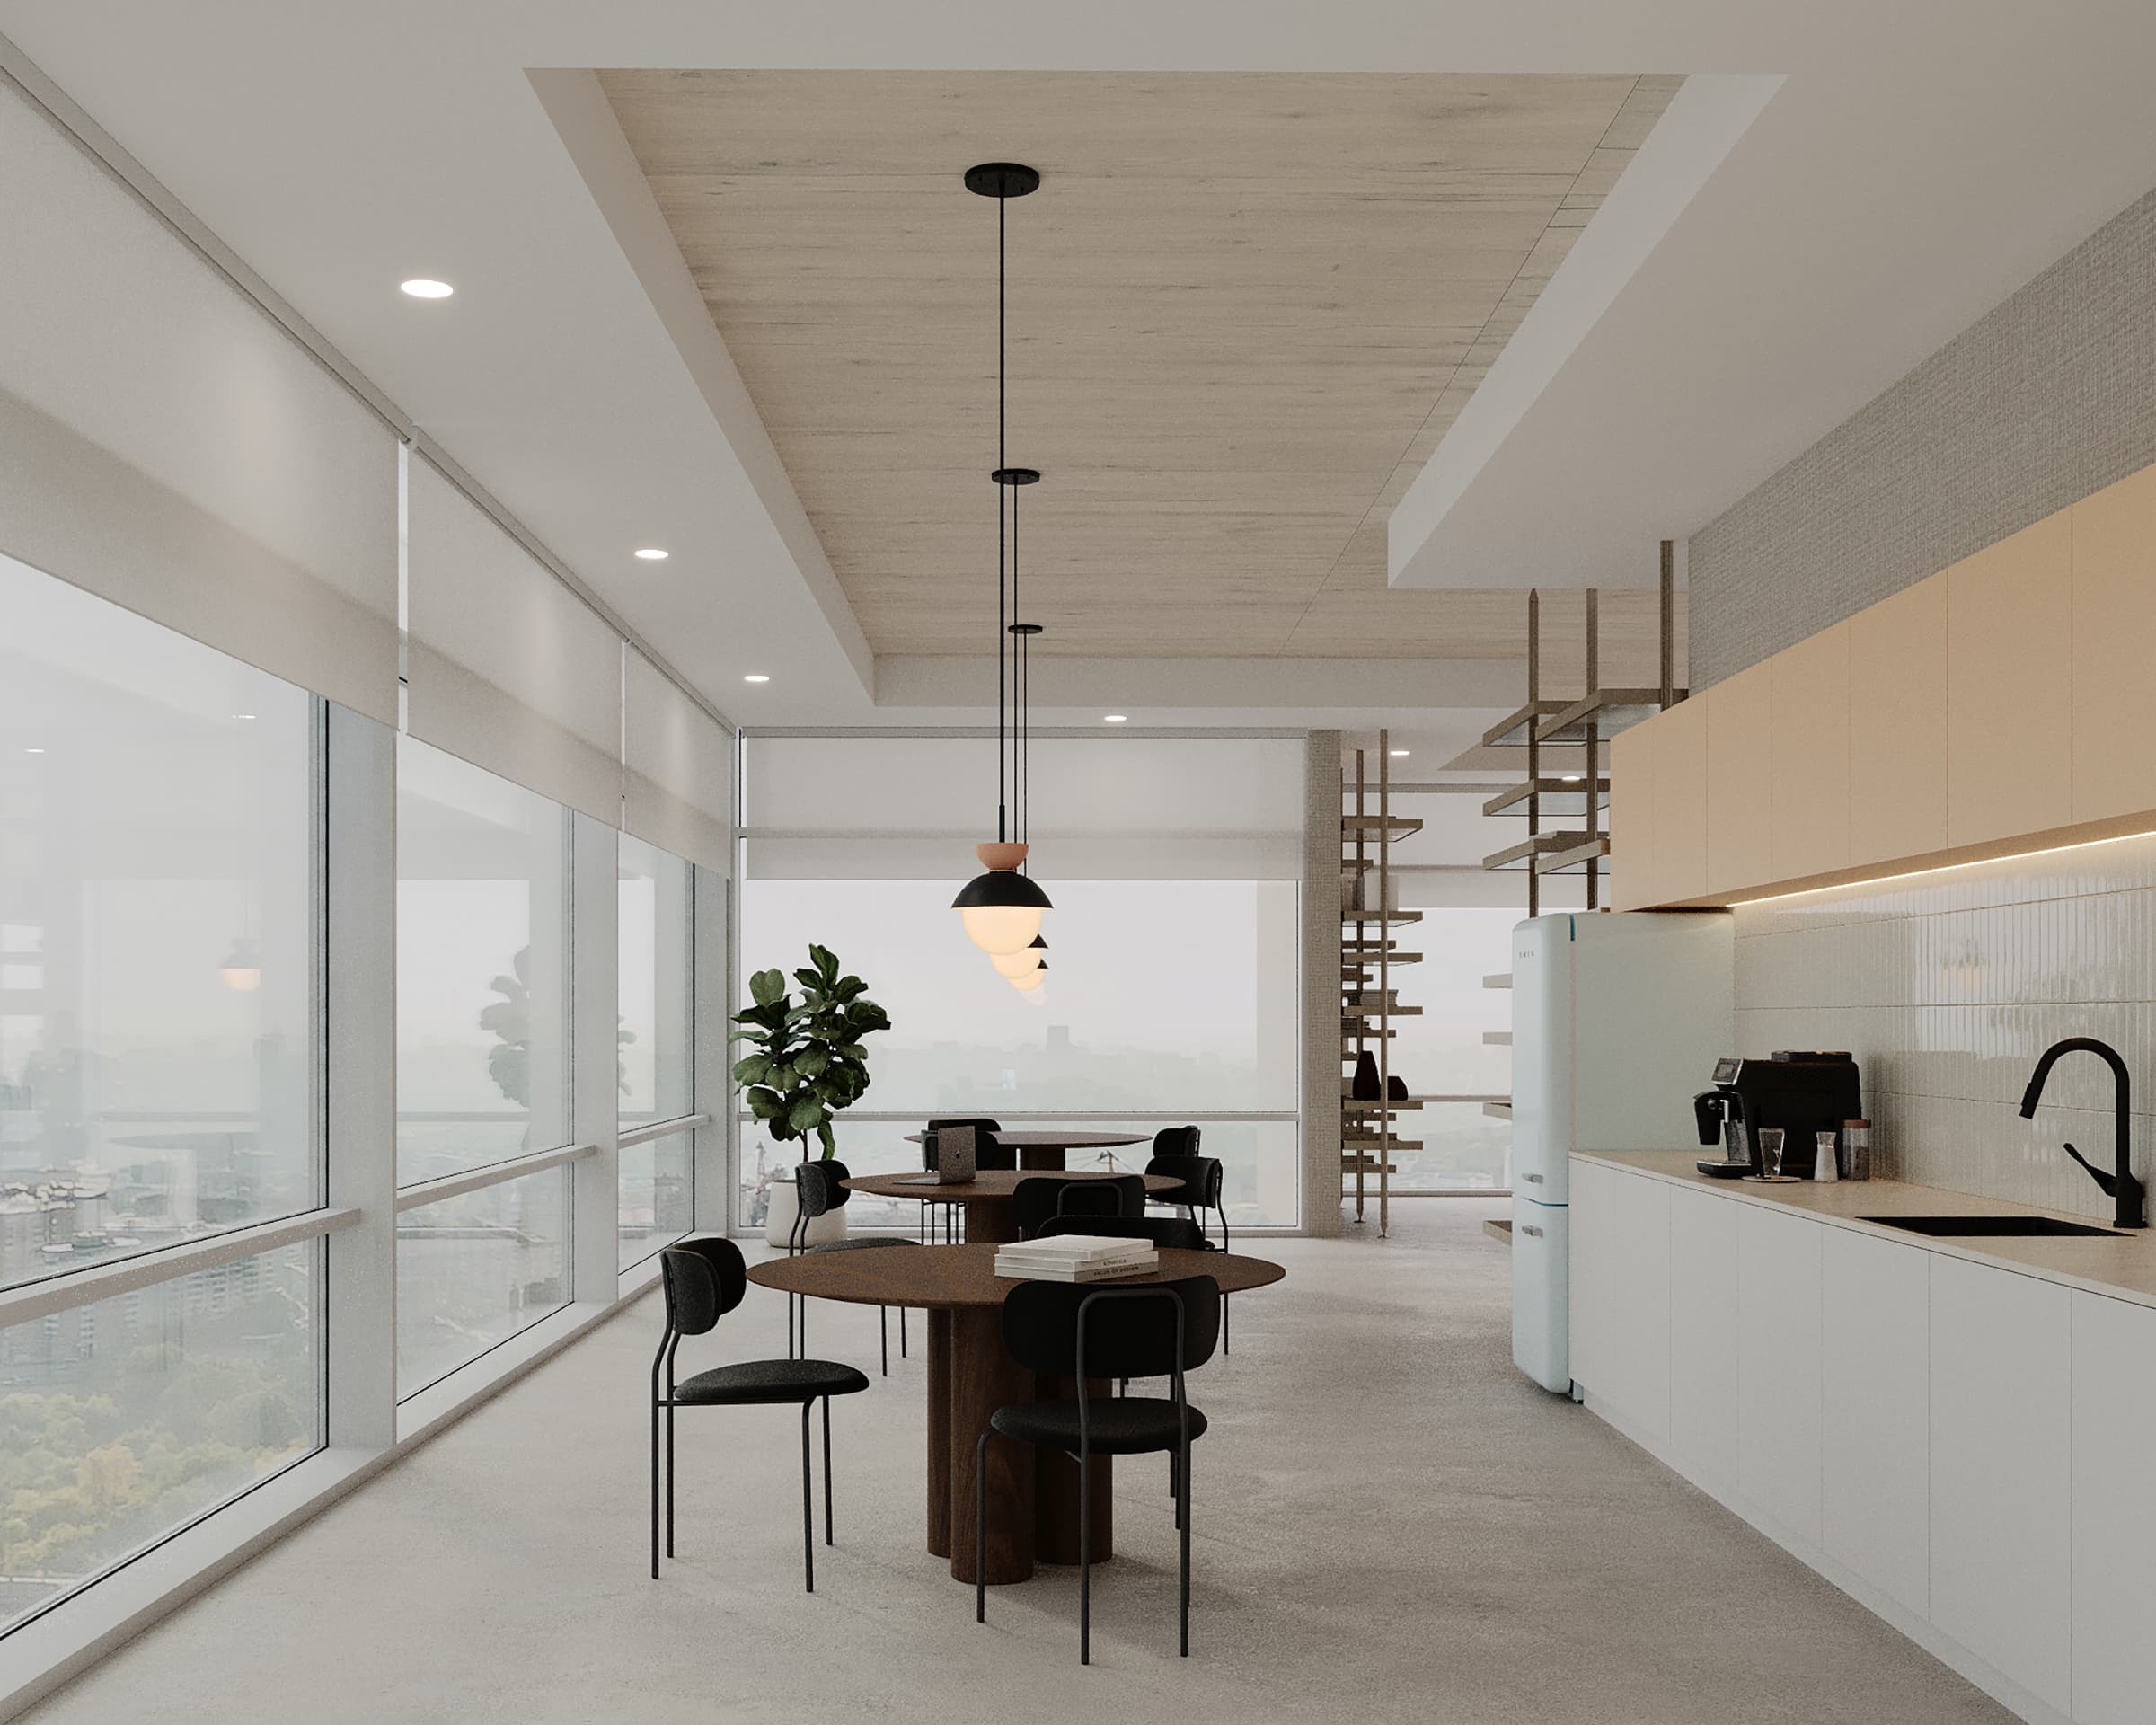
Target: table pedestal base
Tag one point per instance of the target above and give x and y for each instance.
(983, 1378)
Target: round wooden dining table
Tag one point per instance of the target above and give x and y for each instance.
(1032, 1495)
(1046, 1148)
(990, 1198)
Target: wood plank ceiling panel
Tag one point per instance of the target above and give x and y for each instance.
(1244, 309)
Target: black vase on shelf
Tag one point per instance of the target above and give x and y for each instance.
(1396, 1087)
(1365, 1088)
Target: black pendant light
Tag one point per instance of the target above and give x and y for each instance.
(1001, 906)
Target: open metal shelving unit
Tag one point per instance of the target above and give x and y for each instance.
(1369, 1003)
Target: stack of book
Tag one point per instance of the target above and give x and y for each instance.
(1076, 1258)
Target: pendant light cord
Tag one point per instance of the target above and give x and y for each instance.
(1003, 365)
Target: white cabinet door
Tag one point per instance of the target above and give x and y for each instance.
(1874, 1489)
(2114, 1508)
(2001, 1504)
(1619, 1224)
(1778, 1388)
(1702, 1334)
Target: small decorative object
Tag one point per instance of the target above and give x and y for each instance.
(1396, 1087)
(1856, 1149)
(1366, 1087)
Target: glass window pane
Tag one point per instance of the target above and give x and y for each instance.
(158, 1068)
(1464, 1149)
(1169, 994)
(654, 958)
(482, 968)
(123, 1420)
(474, 1270)
(658, 1197)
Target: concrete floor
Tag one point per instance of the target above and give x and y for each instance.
(1391, 1525)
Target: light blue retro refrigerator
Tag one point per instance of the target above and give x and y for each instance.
(1617, 1021)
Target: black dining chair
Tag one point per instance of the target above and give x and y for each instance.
(821, 1188)
(704, 1279)
(1037, 1199)
(987, 1153)
(1199, 1180)
(1152, 1330)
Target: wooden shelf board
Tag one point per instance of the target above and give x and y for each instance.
(1519, 856)
(1389, 918)
(1381, 1012)
(1576, 856)
(1397, 823)
(1497, 1038)
(1365, 1105)
(1498, 1227)
(1498, 1110)
(1557, 796)
(1502, 979)
(1612, 709)
(1511, 731)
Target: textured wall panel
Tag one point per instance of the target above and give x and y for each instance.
(2047, 397)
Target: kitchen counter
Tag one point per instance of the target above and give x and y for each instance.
(2124, 1269)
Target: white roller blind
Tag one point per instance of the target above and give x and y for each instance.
(1105, 808)
(166, 445)
(679, 769)
(507, 668)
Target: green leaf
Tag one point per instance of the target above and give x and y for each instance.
(830, 1143)
(752, 1070)
(765, 1104)
(766, 987)
(807, 1111)
(810, 1063)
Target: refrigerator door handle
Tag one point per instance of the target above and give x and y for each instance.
(1533, 1179)
(1529, 1227)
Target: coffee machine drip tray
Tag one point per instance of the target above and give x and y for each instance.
(1715, 1168)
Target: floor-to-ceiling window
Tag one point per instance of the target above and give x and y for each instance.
(1447, 1056)
(160, 1080)
(656, 1110)
(483, 1059)
(1172, 994)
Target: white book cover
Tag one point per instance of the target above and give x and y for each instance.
(1079, 1247)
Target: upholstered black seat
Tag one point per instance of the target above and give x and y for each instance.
(1125, 1425)
(765, 1382)
(1199, 1182)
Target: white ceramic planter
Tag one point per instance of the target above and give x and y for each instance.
(783, 1204)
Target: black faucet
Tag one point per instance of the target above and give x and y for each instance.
(2120, 1186)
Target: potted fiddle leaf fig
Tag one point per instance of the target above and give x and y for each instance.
(805, 1066)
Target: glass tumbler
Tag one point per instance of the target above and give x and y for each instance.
(1770, 1152)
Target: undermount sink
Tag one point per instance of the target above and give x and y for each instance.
(2024, 1226)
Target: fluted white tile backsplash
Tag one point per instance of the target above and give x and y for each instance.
(1948, 986)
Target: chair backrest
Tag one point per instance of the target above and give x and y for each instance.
(819, 1184)
(704, 1279)
(1171, 1232)
(1042, 1196)
(1176, 1141)
(1201, 1177)
(986, 1151)
(1130, 1330)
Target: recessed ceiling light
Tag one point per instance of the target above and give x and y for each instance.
(423, 287)
(652, 555)
(1572, 778)
(243, 715)
(756, 676)
(1399, 751)
(1119, 718)
(33, 751)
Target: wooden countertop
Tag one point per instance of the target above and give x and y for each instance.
(2122, 1266)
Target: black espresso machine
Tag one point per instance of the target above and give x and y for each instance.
(1803, 1093)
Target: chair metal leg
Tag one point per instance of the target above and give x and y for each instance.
(883, 1325)
(1085, 1560)
(826, 1470)
(902, 1333)
(669, 1478)
(1175, 1483)
(1182, 1518)
(1227, 1335)
(655, 1491)
(808, 1507)
(980, 1530)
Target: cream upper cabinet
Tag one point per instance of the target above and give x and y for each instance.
(2008, 700)
(1679, 762)
(1810, 732)
(1740, 764)
(1897, 726)
(1633, 882)
(2114, 620)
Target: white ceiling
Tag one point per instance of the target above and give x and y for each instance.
(1915, 165)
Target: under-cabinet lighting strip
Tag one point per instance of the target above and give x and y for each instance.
(1942, 868)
